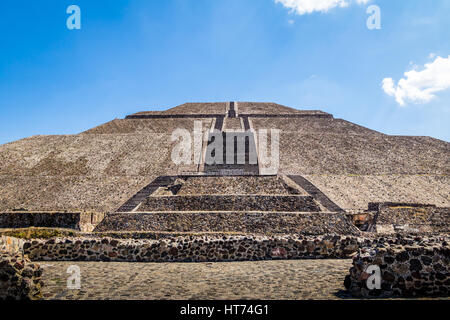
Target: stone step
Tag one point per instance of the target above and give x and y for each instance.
(232, 170)
(143, 234)
(286, 203)
(133, 202)
(316, 193)
(219, 123)
(246, 124)
(308, 223)
(231, 111)
(245, 152)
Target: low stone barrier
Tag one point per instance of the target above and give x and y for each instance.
(419, 268)
(19, 278)
(317, 223)
(84, 221)
(230, 203)
(191, 248)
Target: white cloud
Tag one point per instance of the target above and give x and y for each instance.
(420, 86)
(309, 6)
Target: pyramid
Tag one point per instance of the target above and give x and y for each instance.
(330, 172)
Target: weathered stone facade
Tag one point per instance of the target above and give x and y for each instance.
(409, 267)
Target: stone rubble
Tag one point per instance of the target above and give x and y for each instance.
(19, 278)
(410, 267)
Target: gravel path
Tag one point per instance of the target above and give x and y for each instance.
(286, 279)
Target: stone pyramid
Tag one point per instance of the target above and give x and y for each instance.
(330, 176)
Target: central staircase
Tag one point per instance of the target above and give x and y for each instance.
(234, 155)
(206, 204)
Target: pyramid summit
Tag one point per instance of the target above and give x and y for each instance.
(220, 108)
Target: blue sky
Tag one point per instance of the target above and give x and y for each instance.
(139, 55)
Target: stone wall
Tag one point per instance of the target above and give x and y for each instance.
(412, 218)
(191, 248)
(414, 267)
(11, 244)
(83, 221)
(316, 223)
(230, 203)
(19, 278)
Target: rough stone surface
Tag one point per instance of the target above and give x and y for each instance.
(268, 108)
(235, 185)
(362, 154)
(357, 191)
(84, 221)
(317, 223)
(266, 280)
(122, 126)
(88, 172)
(192, 108)
(11, 244)
(191, 249)
(311, 125)
(19, 278)
(101, 170)
(412, 218)
(233, 124)
(287, 203)
(409, 267)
